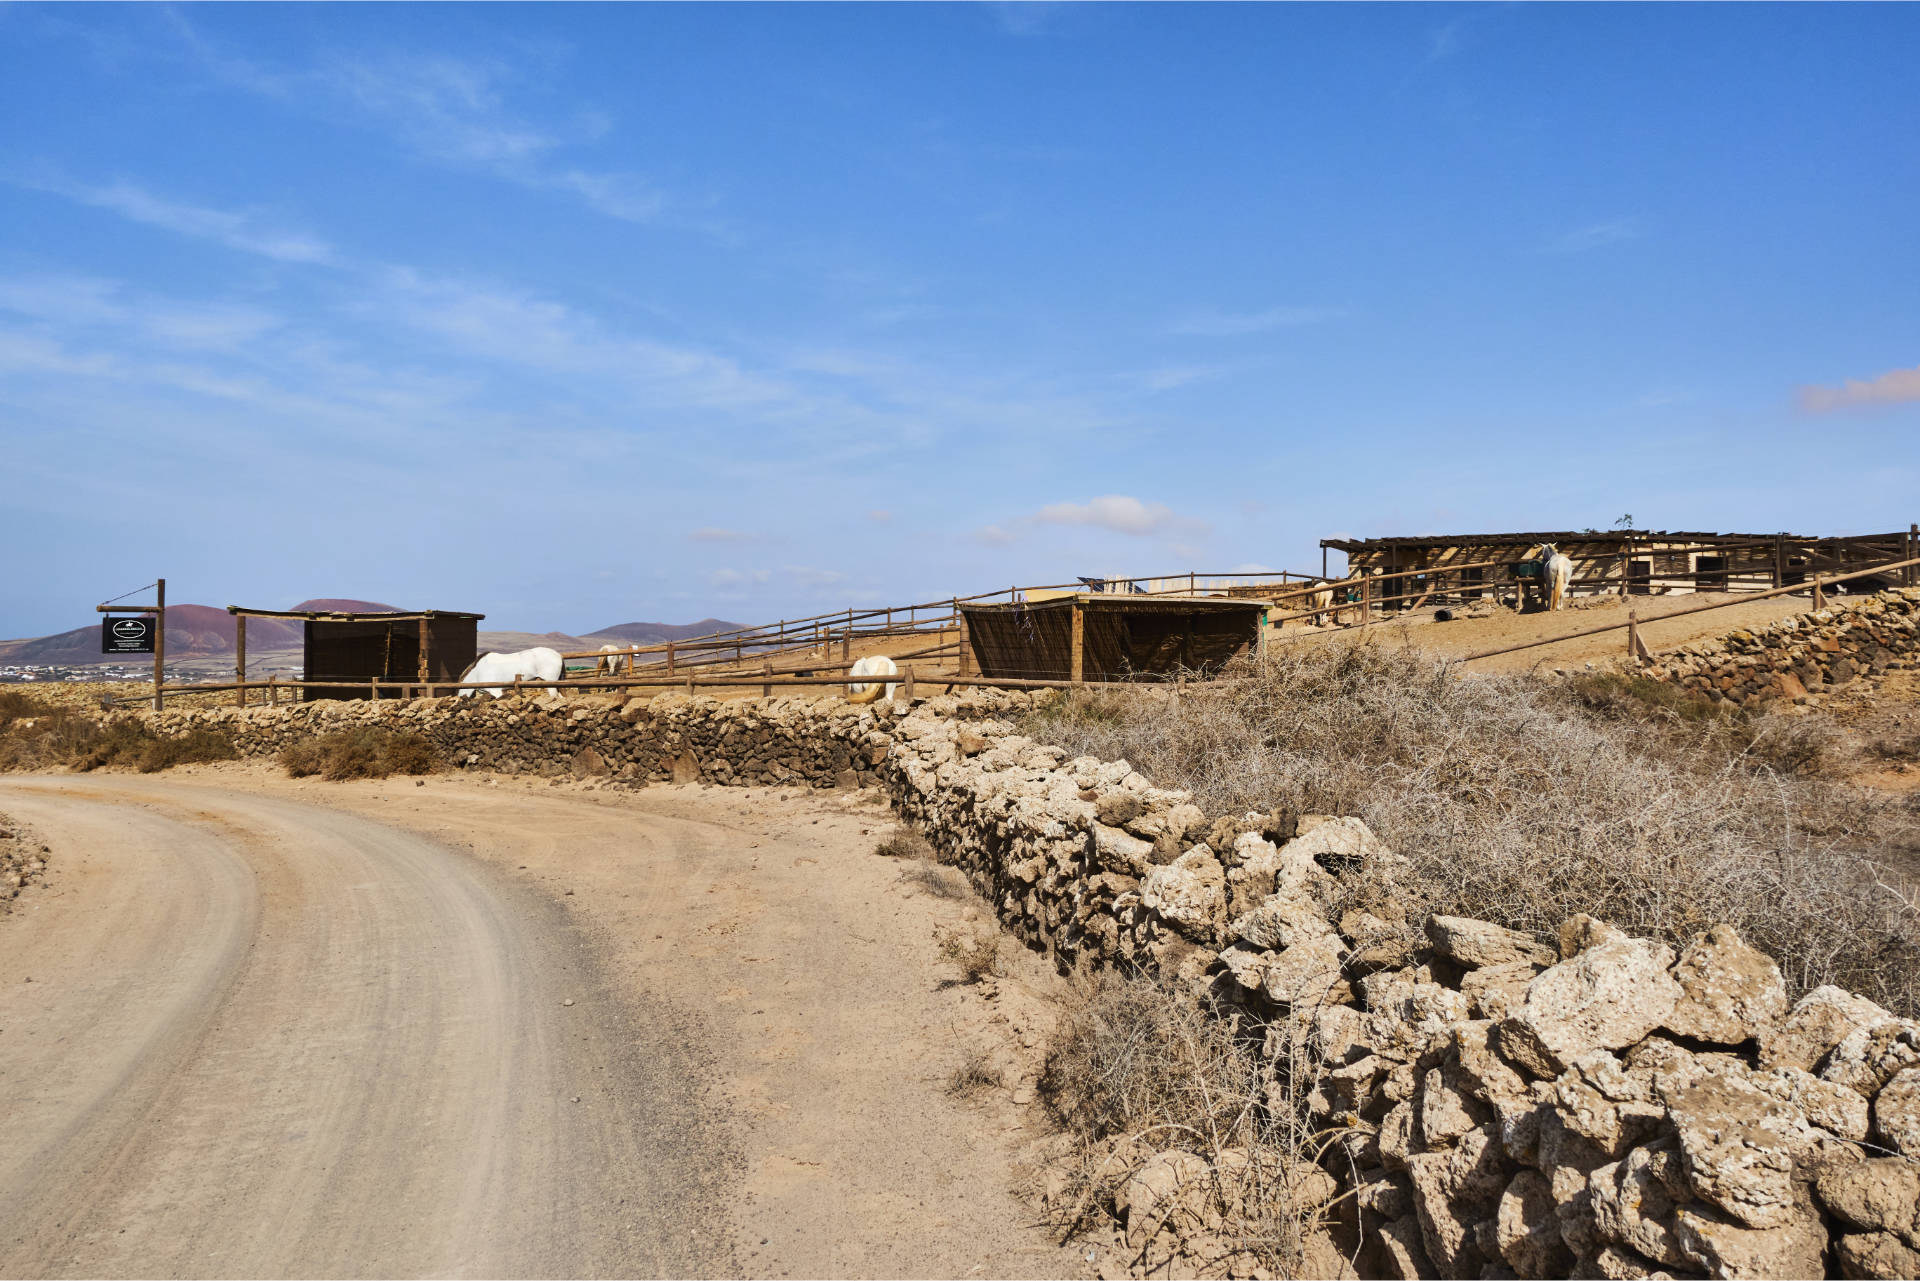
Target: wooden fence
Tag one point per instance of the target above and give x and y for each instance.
(1631, 625)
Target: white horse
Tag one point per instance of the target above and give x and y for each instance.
(537, 664)
(1320, 601)
(1556, 573)
(871, 665)
(610, 666)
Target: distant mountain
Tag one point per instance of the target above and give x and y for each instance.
(193, 631)
(658, 633)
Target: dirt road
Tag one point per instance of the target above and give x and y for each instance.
(259, 1028)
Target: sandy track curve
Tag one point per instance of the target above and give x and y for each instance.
(266, 1038)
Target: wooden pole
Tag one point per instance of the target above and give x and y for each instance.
(909, 683)
(1633, 633)
(670, 657)
(1779, 560)
(1819, 597)
(966, 647)
(273, 691)
(426, 639)
(766, 678)
(1076, 668)
(1366, 600)
(159, 640)
(240, 658)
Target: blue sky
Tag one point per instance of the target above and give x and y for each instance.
(582, 314)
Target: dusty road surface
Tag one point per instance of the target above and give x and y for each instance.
(255, 1027)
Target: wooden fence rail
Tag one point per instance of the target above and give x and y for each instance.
(1817, 584)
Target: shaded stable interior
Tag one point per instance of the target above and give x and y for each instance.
(1096, 636)
(1642, 562)
(420, 647)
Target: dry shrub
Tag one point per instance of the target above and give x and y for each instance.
(1136, 1067)
(1521, 801)
(365, 752)
(977, 956)
(904, 842)
(976, 1072)
(941, 882)
(38, 735)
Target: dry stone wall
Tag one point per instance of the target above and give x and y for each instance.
(1807, 654)
(1593, 1105)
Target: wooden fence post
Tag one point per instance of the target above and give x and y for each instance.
(669, 658)
(1076, 664)
(1633, 634)
(159, 640)
(1819, 597)
(240, 659)
(766, 678)
(1366, 600)
(966, 648)
(909, 683)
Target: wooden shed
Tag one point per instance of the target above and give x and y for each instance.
(416, 647)
(1642, 562)
(1101, 636)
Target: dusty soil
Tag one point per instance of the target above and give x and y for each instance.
(258, 1026)
(1502, 626)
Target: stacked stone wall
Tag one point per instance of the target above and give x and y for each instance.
(1592, 1105)
(1806, 655)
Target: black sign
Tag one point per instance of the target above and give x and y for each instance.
(126, 636)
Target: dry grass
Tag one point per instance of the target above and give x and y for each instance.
(365, 752)
(977, 956)
(941, 882)
(975, 1072)
(1136, 1068)
(904, 842)
(36, 735)
(1525, 801)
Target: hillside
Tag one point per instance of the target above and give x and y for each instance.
(193, 631)
(657, 633)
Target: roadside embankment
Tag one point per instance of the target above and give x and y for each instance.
(1596, 1104)
(1806, 655)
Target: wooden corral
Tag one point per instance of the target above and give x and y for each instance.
(1642, 562)
(1107, 636)
(422, 646)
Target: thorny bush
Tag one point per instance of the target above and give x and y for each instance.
(365, 752)
(1524, 801)
(1136, 1067)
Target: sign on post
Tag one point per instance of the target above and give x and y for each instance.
(126, 636)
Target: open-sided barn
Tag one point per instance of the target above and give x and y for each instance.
(418, 646)
(1646, 562)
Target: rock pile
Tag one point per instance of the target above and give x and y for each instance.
(23, 860)
(1591, 1106)
(1807, 654)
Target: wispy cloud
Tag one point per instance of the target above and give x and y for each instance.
(245, 230)
(1214, 323)
(452, 111)
(1117, 513)
(1594, 236)
(1895, 387)
(1170, 377)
